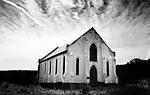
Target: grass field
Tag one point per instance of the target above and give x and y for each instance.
(12, 89)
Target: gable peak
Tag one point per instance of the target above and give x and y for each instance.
(92, 28)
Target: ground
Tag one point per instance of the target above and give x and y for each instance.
(12, 89)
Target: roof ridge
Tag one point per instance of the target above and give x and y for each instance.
(49, 53)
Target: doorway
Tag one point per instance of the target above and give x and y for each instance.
(93, 75)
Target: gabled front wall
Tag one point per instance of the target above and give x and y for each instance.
(80, 49)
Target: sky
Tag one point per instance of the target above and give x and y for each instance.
(29, 29)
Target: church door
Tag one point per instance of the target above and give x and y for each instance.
(93, 75)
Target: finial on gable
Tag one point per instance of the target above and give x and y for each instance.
(92, 28)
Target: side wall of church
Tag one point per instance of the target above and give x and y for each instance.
(48, 71)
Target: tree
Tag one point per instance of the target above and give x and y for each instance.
(135, 69)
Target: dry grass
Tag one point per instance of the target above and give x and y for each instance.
(12, 89)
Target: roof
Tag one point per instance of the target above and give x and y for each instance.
(63, 48)
(54, 52)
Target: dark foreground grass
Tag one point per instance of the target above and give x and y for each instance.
(132, 91)
(127, 90)
(12, 89)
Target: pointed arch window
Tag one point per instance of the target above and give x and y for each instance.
(107, 68)
(77, 66)
(41, 68)
(93, 52)
(56, 68)
(63, 64)
(50, 67)
(45, 69)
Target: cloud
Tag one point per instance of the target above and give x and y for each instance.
(101, 12)
(123, 24)
(126, 35)
(9, 16)
(24, 11)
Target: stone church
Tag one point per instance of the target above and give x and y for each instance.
(86, 60)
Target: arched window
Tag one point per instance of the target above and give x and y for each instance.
(77, 66)
(63, 64)
(45, 69)
(50, 67)
(41, 68)
(93, 52)
(107, 68)
(56, 68)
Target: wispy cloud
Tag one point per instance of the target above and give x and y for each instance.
(123, 24)
(24, 11)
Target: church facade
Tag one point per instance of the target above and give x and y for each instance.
(86, 60)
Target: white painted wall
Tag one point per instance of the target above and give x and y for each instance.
(81, 49)
(109, 56)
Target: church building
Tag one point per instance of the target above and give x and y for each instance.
(86, 60)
